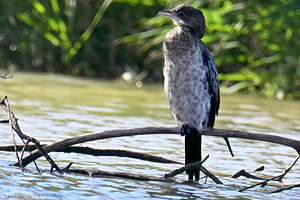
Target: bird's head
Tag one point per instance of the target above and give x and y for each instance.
(189, 17)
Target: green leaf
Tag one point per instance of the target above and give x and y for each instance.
(233, 77)
(288, 34)
(54, 40)
(266, 60)
(25, 18)
(53, 24)
(55, 6)
(39, 7)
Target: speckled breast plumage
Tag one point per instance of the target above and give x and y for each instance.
(185, 85)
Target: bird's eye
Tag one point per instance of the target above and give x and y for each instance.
(180, 14)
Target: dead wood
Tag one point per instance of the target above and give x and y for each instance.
(259, 169)
(288, 169)
(190, 166)
(247, 175)
(14, 127)
(261, 183)
(4, 121)
(100, 173)
(63, 144)
(98, 152)
(283, 189)
(160, 130)
(5, 76)
(195, 165)
(276, 178)
(139, 177)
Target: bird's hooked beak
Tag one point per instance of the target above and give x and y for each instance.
(172, 15)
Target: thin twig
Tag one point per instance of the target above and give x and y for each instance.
(261, 183)
(5, 76)
(247, 175)
(14, 126)
(276, 178)
(10, 117)
(24, 149)
(259, 169)
(283, 189)
(288, 169)
(114, 174)
(195, 165)
(186, 167)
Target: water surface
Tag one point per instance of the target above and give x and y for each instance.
(54, 107)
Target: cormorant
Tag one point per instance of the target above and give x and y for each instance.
(191, 81)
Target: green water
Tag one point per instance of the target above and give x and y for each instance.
(55, 107)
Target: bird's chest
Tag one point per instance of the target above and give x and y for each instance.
(184, 72)
(185, 83)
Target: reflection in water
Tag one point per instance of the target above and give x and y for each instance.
(52, 108)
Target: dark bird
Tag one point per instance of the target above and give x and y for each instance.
(191, 81)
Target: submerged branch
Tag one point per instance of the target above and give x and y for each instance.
(288, 188)
(247, 175)
(261, 183)
(114, 175)
(276, 178)
(288, 169)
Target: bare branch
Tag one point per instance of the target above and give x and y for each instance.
(14, 127)
(114, 174)
(288, 188)
(288, 169)
(160, 130)
(247, 175)
(98, 152)
(5, 76)
(261, 183)
(276, 178)
(189, 166)
(259, 169)
(195, 165)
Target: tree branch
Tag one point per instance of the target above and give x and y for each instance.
(276, 178)
(114, 175)
(283, 189)
(195, 165)
(160, 130)
(189, 166)
(97, 152)
(247, 175)
(5, 76)
(14, 127)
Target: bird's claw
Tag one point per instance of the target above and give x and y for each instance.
(187, 130)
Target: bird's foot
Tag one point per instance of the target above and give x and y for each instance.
(188, 130)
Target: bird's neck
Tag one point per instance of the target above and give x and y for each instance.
(179, 35)
(179, 42)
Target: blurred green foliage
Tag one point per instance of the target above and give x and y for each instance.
(255, 43)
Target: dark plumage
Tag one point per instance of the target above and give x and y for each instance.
(191, 80)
